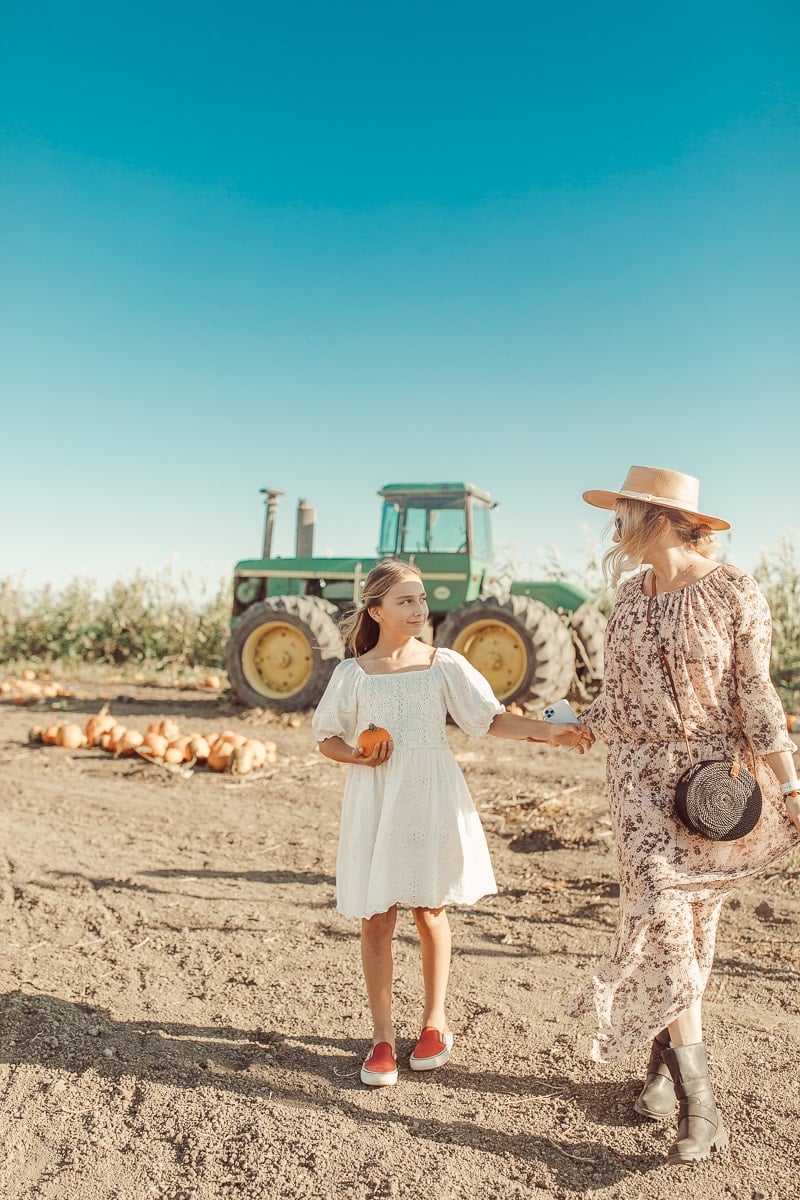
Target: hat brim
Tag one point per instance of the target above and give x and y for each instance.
(608, 500)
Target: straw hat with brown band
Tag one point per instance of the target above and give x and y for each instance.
(655, 485)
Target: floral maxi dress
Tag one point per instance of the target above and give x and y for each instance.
(716, 634)
(410, 833)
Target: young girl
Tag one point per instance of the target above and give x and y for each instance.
(410, 833)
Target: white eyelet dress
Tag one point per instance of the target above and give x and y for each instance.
(410, 833)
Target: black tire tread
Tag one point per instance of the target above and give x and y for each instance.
(311, 614)
(588, 625)
(551, 667)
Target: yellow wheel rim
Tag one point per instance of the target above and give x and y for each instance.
(498, 652)
(277, 660)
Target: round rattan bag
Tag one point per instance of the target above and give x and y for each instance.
(718, 800)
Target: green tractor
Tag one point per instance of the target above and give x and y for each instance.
(534, 641)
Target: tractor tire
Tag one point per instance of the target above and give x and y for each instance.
(519, 644)
(282, 652)
(588, 627)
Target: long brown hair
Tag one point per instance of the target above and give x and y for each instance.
(638, 529)
(359, 631)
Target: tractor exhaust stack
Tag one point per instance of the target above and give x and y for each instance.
(304, 541)
(271, 502)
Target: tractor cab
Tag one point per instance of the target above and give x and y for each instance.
(444, 529)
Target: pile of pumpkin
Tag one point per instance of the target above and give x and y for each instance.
(28, 688)
(162, 742)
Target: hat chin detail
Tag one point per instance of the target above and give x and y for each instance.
(656, 485)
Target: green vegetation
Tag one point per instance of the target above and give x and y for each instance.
(163, 622)
(779, 576)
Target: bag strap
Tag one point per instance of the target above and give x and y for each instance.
(674, 690)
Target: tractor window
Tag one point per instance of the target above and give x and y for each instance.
(415, 531)
(435, 531)
(448, 531)
(389, 522)
(481, 531)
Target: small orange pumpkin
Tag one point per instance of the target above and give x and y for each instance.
(129, 743)
(182, 744)
(153, 745)
(220, 756)
(70, 736)
(235, 739)
(102, 722)
(369, 738)
(258, 750)
(199, 748)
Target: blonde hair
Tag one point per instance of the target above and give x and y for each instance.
(639, 521)
(358, 629)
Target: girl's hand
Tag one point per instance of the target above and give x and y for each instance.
(381, 754)
(571, 737)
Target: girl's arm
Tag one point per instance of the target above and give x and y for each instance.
(341, 751)
(525, 729)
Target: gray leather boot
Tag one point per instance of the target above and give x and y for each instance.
(657, 1098)
(700, 1129)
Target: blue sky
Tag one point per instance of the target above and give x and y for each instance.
(326, 246)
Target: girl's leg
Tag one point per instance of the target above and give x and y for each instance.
(435, 941)
(376, 959)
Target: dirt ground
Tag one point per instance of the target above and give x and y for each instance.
(182, 1013)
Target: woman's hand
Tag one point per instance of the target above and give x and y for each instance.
(381, 753)
(781, 763)
(571, 737)
(793, 809)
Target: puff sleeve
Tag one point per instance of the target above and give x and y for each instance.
(335, 715)
(763, 717)
(468, 695)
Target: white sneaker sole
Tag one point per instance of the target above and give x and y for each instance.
(378, 1078)
(435, 1060)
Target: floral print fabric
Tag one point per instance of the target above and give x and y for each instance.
(716, 634)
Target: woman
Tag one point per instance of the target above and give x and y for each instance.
(713, 626)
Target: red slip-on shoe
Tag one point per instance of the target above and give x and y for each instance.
(380, 1066)
(432, 1050)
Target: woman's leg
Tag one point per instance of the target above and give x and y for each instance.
(376, 959)
(687, 1029)
(435, 942)
(700, 1128)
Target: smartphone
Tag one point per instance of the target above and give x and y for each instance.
(562, 713)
